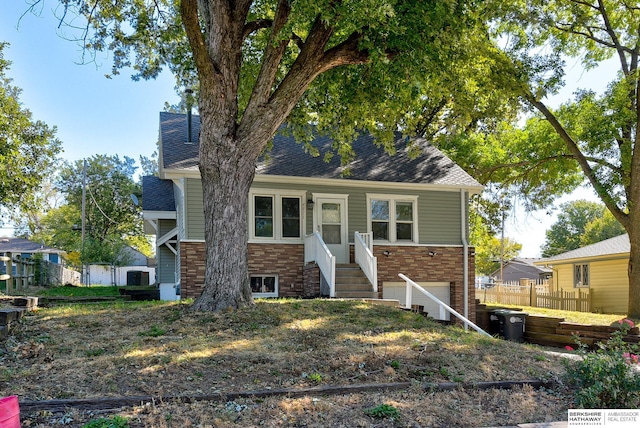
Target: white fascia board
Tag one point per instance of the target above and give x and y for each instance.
(287, 179)
(158, 215)
(582, 260)
(263, 178)
(179, 174)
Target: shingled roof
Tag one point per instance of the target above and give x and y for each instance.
(289, 158)
(157, 194)
(20, 245)
(618, 245)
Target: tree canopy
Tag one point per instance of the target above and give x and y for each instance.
(598, 131)
(112, 215)
(580, 223)
(28, 147)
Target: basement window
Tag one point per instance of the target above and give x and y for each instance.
(264, 285)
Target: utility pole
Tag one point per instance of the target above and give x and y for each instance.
(84, 202)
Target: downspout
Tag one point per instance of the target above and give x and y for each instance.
(465, 258)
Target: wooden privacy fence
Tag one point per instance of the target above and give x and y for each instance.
(536, 296)
(18, 273)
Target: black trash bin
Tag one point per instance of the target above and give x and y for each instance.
(494, 323)
(511, 324)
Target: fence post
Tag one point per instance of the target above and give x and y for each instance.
(10, 273)
(533, 296)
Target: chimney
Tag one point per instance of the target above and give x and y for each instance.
(188, 93)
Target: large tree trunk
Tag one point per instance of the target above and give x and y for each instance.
(227, 173)
(634, 279)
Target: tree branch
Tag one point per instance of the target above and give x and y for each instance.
(206, 67)
(614, 37)
(582, 160)
(256, 25)
(274, 51)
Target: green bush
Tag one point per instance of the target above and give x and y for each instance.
(383, 411)
(607, 378)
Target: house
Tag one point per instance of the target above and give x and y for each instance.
(601, 269)
(387, 215)
(27, 249)
(520, 268)
(50, 271)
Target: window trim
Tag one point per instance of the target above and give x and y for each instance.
(583, 267)
(393, 199)
(265, 275)
(277, 195)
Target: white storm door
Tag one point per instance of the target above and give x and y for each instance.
(331, 221)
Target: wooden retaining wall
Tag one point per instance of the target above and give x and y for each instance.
(549, 331)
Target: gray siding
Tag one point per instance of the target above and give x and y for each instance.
(194, 221)
(438, 211)
(166, 260)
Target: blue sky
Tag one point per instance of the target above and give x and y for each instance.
(93, 114)
(96, 115)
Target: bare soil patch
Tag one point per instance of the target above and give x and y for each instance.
(160, 349)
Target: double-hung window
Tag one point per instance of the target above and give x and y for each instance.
(393, 218)
(581, 275)
(276, 215)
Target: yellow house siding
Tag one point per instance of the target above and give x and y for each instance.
(563, 277)
(609, 286)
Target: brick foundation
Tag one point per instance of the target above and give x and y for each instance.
(284, 260)
(297, 280)
(311, 284)
(416, 263)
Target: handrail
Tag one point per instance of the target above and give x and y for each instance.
(365, 258)
(315, 250)
(443, 306)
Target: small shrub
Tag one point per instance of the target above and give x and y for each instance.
(315, 377)
(112, 422)
(154, 331)
(383, 411)
(606, 378)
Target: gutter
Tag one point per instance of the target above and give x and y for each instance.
(465, 258)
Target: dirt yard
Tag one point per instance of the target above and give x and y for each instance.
(165, 349)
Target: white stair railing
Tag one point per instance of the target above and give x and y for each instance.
(315, 250)
(443, 306)
(365, 258)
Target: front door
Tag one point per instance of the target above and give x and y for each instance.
(330, 220)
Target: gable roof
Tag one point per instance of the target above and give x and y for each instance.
(20, 245)
(157, 194)
(523, 264)
(618, 245)
(288, 158)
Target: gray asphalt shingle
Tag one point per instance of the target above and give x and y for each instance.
(618, 245)
(289, 158)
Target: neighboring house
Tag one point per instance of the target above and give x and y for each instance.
(54, 274)
(411, 211)
(27, 249)
(521, 268)
(600, 269)
(138, 270)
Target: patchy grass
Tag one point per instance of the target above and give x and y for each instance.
(153, 348)
(569, 316)
(78, 291)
